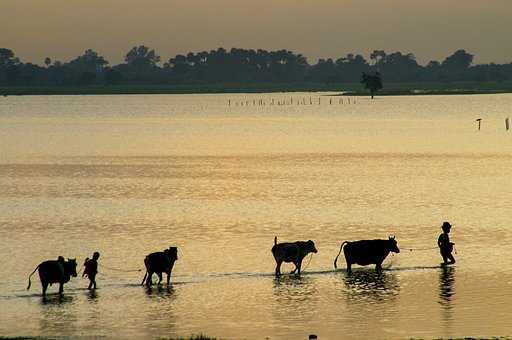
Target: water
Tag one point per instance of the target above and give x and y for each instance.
(128, 175)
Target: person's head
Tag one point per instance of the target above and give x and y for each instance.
(96, 255)
(446, 227)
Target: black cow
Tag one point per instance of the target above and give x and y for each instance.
(367, 252)
(291, 252)
(50, 272)
(159, 262)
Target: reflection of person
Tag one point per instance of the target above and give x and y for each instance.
(445, 246)
(446, 282)
(91, 269)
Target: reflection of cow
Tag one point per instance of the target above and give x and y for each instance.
(367, 252)
(50, 272)
(160, 262)
(291, 252)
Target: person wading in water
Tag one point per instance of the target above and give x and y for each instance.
(91, 269)
(445, 246)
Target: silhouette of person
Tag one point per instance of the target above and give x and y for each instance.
(445, 246)
(60, 263)
(91, 269)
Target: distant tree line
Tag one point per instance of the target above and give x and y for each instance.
(142, 65)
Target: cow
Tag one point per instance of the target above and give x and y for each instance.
(52, 271)
(367, 252)
(291, 252)
(159, 262)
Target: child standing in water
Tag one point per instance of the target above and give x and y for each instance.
(91, 269)
(445, 246)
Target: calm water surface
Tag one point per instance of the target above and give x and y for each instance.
(128, 175)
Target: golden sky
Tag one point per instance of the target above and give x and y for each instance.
(63, 29)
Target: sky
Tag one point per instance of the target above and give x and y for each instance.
(431, 29)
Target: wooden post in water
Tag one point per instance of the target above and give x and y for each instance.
(507, 123)
(479, 120)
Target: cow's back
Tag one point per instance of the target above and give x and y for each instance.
(365, 252)
(286, 251)
(157, 262)
(52, 272)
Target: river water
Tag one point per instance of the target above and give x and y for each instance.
(219, 176)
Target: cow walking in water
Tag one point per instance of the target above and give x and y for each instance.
(160, 262)
(367, 252)
(51, 272)
(291, 252)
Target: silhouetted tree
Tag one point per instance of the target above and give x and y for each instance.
(112, 76)
(377, 56)
(9, 66)
(460, 60)
(243, 66)
(398, 66)
(349, 68)
(142, 56)
(372, 82)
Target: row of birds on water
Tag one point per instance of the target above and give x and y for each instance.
(291, 101)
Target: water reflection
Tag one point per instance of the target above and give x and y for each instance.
(371, 286)
(160, 292)
(446, 290)
(57, 315)
(56, 299)
(295, 297)
(160, 312)
(92, 296)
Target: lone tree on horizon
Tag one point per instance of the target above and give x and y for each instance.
(372, 82)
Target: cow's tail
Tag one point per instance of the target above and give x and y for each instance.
(29, 282)
(144, 279)
(146, 264)
(275, 240)
(336, 259)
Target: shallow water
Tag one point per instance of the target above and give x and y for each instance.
(128, 175)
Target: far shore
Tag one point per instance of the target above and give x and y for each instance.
(345, 89)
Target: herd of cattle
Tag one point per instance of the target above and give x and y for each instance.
(363, 253)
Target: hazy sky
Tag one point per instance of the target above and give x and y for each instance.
(431, 29)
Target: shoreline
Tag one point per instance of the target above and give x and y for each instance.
(342, 89)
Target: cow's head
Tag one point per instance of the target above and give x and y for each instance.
(172, 252)
(71, 267)
(393, 247)
(310, 247)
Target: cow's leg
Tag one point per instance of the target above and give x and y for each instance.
(149, 280)
(169, 277)
(61, 288)
(297, 266)
(349, 267)
(378, 267)
(45, 287)
(278, 268)
(159, 278)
